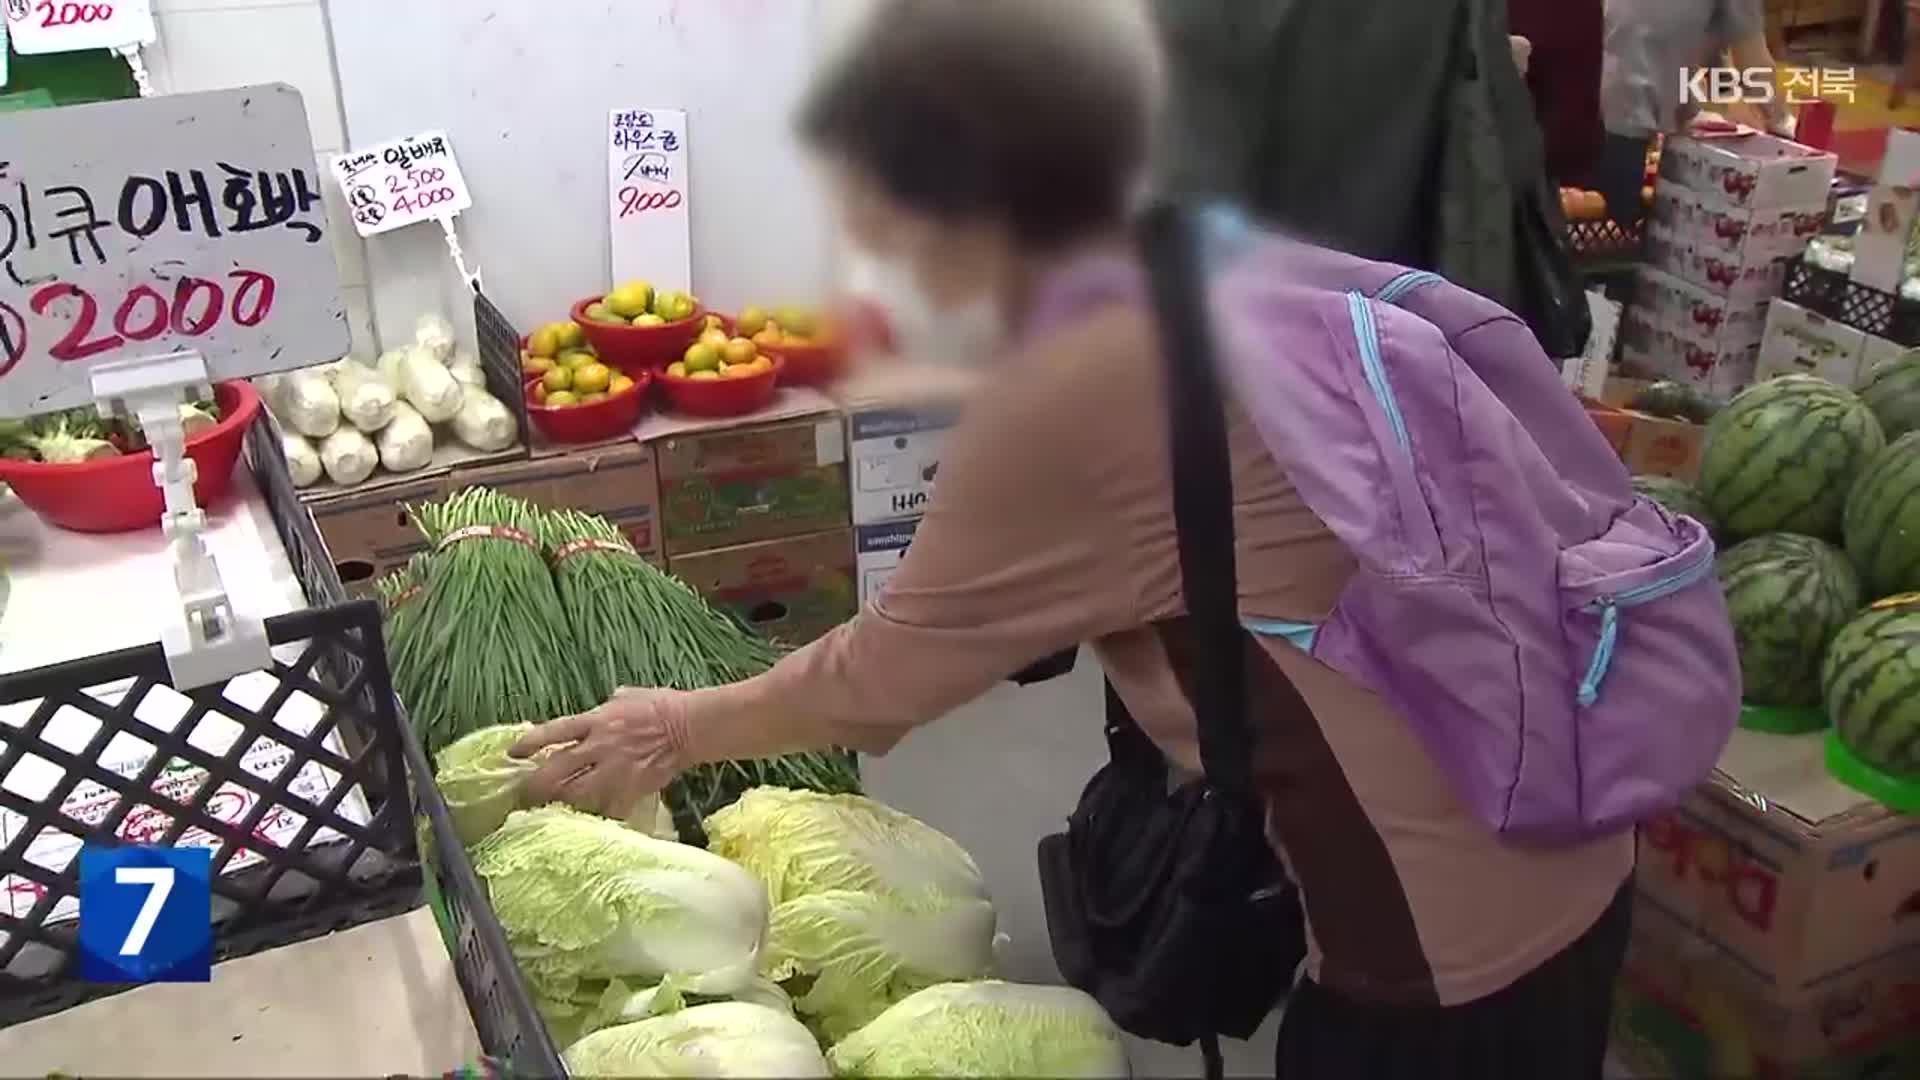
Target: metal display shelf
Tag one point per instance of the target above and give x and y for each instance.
(325, 842)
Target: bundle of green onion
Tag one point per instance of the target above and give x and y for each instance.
(399, 594)
(488, 642)
(638, 626)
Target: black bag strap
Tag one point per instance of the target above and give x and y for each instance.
(1202, 494)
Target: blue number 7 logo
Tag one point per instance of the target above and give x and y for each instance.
(145, 914)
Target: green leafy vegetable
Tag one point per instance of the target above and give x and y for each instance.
(725, 1039)
(802, 842)
(986, 1029)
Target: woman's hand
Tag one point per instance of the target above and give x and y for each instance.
(620, 753)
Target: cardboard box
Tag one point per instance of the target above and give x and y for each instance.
(1696, 313)
(1738, 277)
(368, 532)
(1802, 342)
(877, 551)
(1797, 880)
(1655, 446)
(792, 590)
(617, 481)
(1707, 221)
(728, 486)
(1656, 350)
(894, 455)
(1876, 351)
(1900, 165)
(1886, 235)
(1685, 1011)
(1754, 171)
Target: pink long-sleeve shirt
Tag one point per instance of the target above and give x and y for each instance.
(1053, 525)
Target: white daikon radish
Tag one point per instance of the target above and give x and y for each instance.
(348, 456)
(483, 422)
(366, 399)
(427, 385)
(389, 365)
(303, 463)
(307, 403)
(466, 368)
(434, 332)
(407, 443)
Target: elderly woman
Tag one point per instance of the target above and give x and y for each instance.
(984, 148)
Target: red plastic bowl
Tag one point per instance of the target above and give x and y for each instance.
(813, 363)
(638, 348)
(590, 423)
(722, 397)
(117, 494)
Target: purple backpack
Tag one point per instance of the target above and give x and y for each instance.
(1559, 644)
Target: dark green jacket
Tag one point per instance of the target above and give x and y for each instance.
(1393, 129)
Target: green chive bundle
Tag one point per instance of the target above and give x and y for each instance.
(489, 642)
(638, 626)
(400, 594)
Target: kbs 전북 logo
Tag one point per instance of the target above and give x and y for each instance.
(145, 914)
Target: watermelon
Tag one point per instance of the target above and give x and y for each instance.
(1872, 683)
(1782, 456)
(1677, 496)
(1892, 391)
(1787, 595)
(1882, 522)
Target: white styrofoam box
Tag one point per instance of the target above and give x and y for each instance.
(1695, 313)
(217, 47)
(1876, 351)
(1901, 163)
(1802, 342)
(1756, 171)
(1886, 233)
(1707, 221)
(894, 455)
(877, 551)
(1729, 275)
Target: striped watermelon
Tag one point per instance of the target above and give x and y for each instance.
(1872, 681)
(1782, 456)
(1787, 595)
(1892, 391)
(1883, 519)
(1677, 496)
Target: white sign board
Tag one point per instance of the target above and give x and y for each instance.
(145, 227)
(51, 26)
(403, 182)
(648, 197)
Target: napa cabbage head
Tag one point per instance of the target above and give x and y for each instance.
(863, 951)
(803, 842)
(482, 784)
(986, 1029)
(725, 1039)
(586, 898)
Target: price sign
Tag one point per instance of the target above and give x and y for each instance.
(51, 26)
(648, 197)
(139, 228)
(401, 183)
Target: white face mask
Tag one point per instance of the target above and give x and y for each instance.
(969, 335)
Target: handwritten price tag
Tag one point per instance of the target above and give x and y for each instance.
(137, 228)
(401, 183)
(648, 195)
(51, 26)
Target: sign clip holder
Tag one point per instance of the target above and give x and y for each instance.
(471, 277)
(207, 639)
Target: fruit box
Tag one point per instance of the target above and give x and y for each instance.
(368, 532)
(1658, 446)
(898, 418)
(617, 481)
(720, 487)
(1735, 275)
(1709, 222)
(1657, 350)
(792, 590)
(1886, 237)
(1754, 171)
(878, 550)
(1697, 314)
(1795, 879)
(1684, 1010)
(1802, 342)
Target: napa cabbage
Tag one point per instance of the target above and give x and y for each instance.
(482, 784)
(986, 1029)
(725, 1039)
(803, 842)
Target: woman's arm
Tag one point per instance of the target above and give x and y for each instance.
(1743, 24)
(1019, 556)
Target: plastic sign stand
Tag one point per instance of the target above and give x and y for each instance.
(52, 26)
(147, 249)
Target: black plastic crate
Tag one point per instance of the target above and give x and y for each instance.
(302, 890)
(498, 344)
(1839, 297)
(1605, 241)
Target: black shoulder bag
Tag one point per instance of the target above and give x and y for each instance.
(1167, 903)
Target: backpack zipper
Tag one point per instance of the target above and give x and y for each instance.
(1400, 286)
(1609, 609)
(1368, 333)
